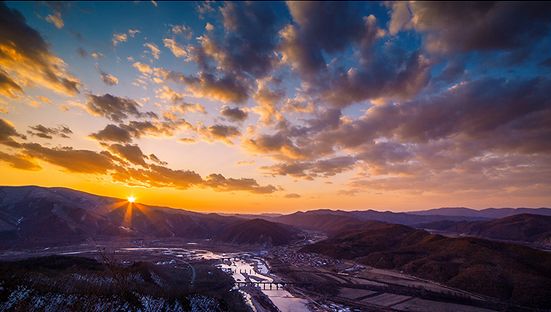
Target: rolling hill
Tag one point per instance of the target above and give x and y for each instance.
(258, 232)
(522, 227)
(500, 270)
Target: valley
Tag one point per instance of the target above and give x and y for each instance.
(312, 261)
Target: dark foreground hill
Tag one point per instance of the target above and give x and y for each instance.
(62, 283)
(523, 227)
(258, 232)
(505, 271)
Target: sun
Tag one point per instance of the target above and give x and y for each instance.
(131, 199)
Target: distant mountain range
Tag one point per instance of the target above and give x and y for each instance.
(31, 215)
(488, 213)
(522, 227)
(38, 215)
(258, 231)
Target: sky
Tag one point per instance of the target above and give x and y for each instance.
(249, 107)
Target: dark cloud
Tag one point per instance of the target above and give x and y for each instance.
(114, 107)
(8, 87)
(317, 46)
(83, 53)
(157, 160)
(323, 27)
(19, 161)
(113, 133)
(476, 26)
(131, 153)
(394, 73)
(311, 170)
(230, 62)
(125, 133)
(278, 145)
(233, 113)
(430, 137)
(226, 88)
(219, 182)
(546, 62)
(250, 38)
(8, 133)
(155, 128)
(292, 195)
(114, 162)
(80, 161)
(48, 133)
(220, 132)
(26, 56)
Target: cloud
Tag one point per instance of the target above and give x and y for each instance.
(250, 38)
(153, 49)
(156, 128)
(8, 133)
(123, 37)
(148, 171)
(229, 64)
(219, 182)
(311, 170)
(322, 27)
(292, 195)
(80, 161)
(183, 30)
(124, 133)
(26, 58)
(19, 161)
(118, 38)
(48, 133)
(8, 87)
(278, 145)
(55, 19)
(82, 52)
(131, 153)
(113, 133)
(225, 89)
(157, 160)
(219, 132)
(96, 55)
(233, 113)
(317, 44)
(187, 140)
(245, 162)
(143, 68)
(267, 100)
(166, 93)
(481, 27)
(114, 108)
(393, 74)
(133, 32)
(175, 48)
(108, 79)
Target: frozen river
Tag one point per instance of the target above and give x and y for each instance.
(254, 269)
